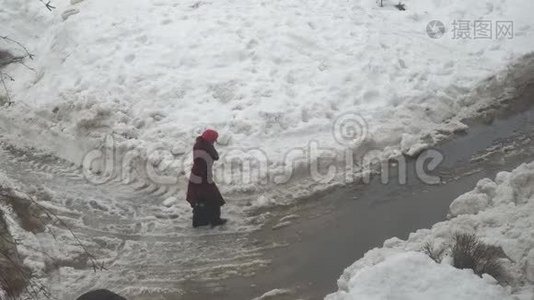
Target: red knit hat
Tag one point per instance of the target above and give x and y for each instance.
(210, 135)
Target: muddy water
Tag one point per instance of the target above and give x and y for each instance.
(336, 228)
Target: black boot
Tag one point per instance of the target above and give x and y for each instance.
(218, 222)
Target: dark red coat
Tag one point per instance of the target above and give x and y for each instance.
(201, 187)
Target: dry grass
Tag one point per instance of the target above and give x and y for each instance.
(434, 254)
(468, 252)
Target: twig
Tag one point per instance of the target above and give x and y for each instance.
(8, 76)
(96, 266)
(48, 5)
(2, 80)
(30, 286)
(14, 59)
(25, 65)
(36, 288)
(5, 283)
(28, 54)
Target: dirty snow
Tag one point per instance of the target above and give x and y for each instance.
(498, 211)
(272, 294)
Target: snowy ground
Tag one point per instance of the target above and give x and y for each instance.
(144, 246)
(270, 75)
(499, 212)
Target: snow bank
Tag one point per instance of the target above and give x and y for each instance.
(415, 276)
(500, 212)
(271, 76)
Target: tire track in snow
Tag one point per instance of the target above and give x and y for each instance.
(145, 246)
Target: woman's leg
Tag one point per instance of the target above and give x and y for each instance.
(201, 215)
(215, 215)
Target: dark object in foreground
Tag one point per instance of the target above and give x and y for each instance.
(101, 294)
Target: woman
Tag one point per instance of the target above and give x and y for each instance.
(202, 193)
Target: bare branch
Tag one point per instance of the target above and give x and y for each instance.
(34, 289)
(28, 54)
(4, 85)
(435, 255)
(48, 5)
(9, 59)
(95, 264)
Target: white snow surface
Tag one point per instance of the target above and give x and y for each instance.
(400, 271)
(271, 76)
(415, 276)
